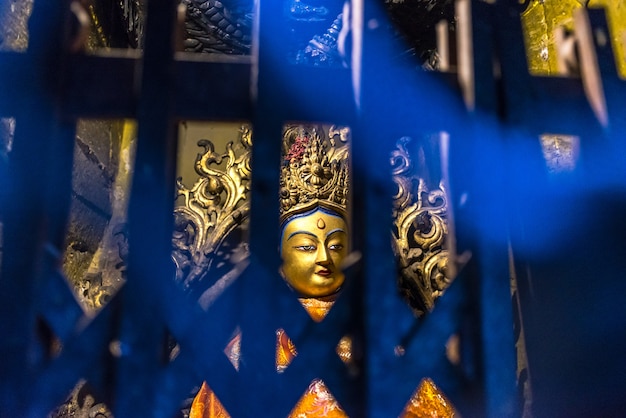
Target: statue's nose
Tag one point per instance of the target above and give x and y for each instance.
(323, 257)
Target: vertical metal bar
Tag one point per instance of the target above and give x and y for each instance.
(479, 174)
(604, 89)
(495, 310)
(142, 338)
(443, 45)
(262, 288)
(510, 53)
(22, 254)
(589, 66)
(28, 222)
(384, 317)
(463, 10)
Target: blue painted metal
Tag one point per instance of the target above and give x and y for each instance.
(396, 101)
(34, 210)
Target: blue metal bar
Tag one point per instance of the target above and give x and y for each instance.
(35, 208)
(142, 332)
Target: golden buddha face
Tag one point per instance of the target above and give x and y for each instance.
(313, 247)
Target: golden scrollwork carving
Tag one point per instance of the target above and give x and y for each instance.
(420, 229)
(213, 209)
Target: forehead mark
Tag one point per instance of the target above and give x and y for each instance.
(320, 223)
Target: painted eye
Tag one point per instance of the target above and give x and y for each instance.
(305, 248)
(335, 247)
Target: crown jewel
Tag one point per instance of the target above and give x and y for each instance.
(315, 170)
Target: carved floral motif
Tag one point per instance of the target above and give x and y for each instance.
(420, 228)
(213, 208)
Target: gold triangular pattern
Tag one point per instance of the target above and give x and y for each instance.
(317, 401)
(317, 308)
(428, 401)
(206, 405)
(285, 350)
(233, 350)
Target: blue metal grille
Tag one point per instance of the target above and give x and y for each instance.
(137, 379)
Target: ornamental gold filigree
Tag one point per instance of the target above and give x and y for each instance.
(208, 225)
(315, 171)
(420, 230)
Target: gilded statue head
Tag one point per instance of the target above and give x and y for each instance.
(313, 197)
(313, 246)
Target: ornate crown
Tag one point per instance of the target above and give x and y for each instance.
(315, 171)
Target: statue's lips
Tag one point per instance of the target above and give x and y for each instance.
(324, 273)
